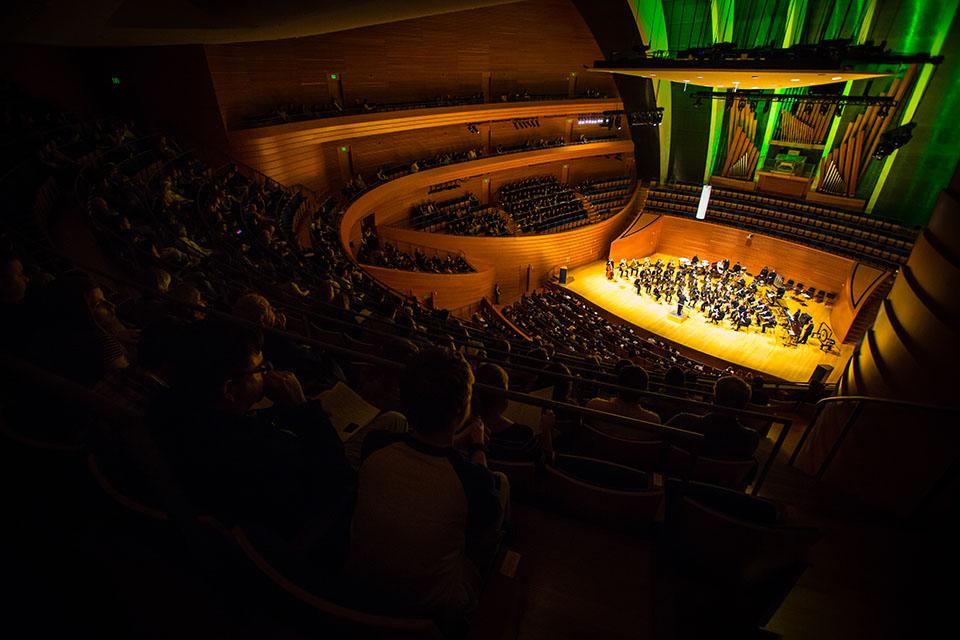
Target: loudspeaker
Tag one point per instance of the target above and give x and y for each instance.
(563, 275)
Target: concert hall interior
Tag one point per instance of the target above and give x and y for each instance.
(480, 318)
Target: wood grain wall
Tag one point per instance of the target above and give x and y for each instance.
(459, 291)
(853, 296)
(682, 237)
(641, 242)
(533, 45)
(685, 238)
(306, 152)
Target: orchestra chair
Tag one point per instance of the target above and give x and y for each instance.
(603, 493)
(639, 453)
(726, 473)
(733, 557)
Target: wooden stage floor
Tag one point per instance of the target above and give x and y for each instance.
(768, 353)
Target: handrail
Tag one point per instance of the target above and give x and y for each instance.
(851, 420)
(266, 120)
(526, 369)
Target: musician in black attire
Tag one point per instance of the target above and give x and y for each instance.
(807, 330)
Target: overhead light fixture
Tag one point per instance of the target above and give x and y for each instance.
(837, 78)
(794, 79)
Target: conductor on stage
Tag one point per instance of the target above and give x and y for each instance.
(681, 299)
(807, 330)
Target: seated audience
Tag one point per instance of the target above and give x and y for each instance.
(158, 354)
(281, 469)
(508, 440)
(427, 521)
(626, 403)
(65, 336)
(282, 351)
(725, 438)
(13, 289)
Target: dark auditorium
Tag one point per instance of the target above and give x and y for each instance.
(480, 319)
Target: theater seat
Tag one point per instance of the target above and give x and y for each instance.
(567, 488)
(726, 473)
(736, 566)
(641, 452)
(314, 613)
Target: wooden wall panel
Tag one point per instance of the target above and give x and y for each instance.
(533, 45)
(512, 256)
(642, 242)
(305, 152)
(459, 291)
(852, 297)
(682, 237)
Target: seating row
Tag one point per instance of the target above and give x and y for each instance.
(818, 239)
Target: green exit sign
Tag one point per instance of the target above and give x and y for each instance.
(333, 76)
(115, 80)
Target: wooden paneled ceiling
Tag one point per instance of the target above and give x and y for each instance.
(149, 22)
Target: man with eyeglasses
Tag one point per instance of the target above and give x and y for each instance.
(281, 468)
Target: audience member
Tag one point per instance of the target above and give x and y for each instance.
(508, 440)
(626, 403)
(427, 520)
(725, 437)
(280, 469)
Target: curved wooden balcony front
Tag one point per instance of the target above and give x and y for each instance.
(503, 260)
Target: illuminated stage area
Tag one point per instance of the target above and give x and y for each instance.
(770, 353)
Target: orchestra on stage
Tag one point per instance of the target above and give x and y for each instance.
(721, 292)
